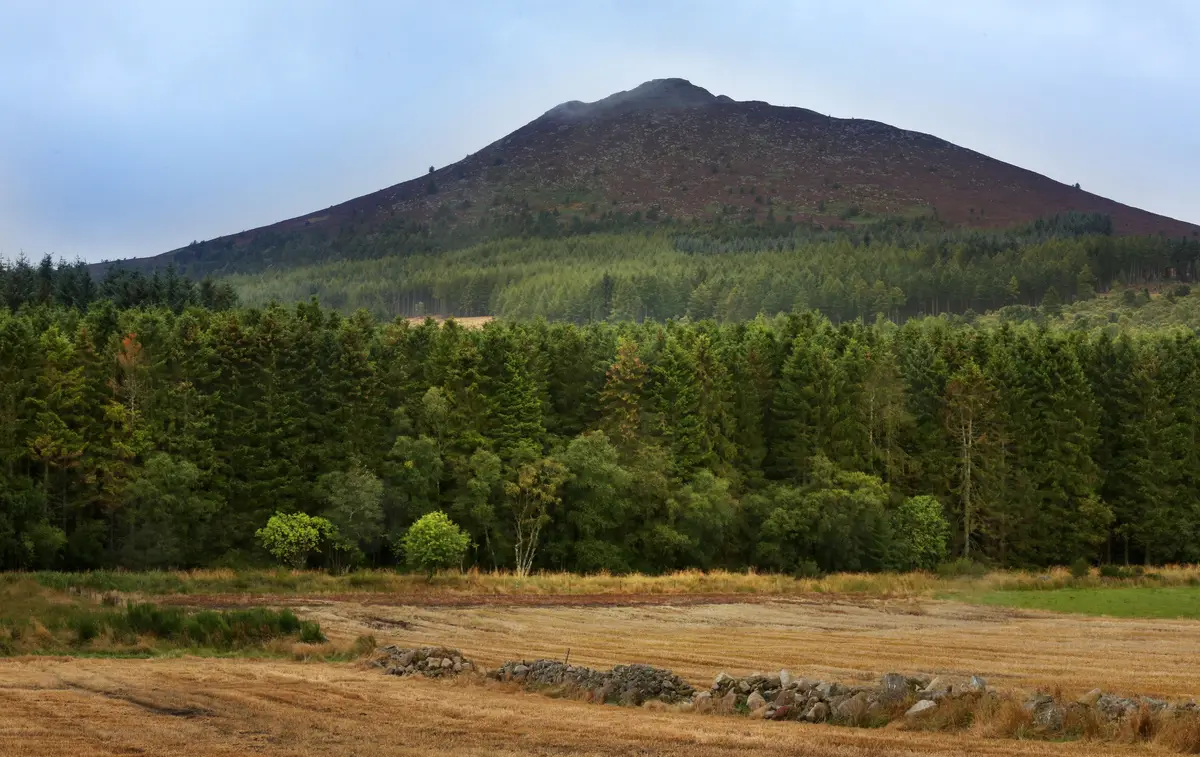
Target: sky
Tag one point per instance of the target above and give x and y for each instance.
(131, 127)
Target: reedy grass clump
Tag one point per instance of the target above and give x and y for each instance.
(34, 620)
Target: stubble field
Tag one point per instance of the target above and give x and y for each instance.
(237, 706)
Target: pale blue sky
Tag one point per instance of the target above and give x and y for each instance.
(128, 128)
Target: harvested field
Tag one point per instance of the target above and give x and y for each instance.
(228, 706)
(828, 638)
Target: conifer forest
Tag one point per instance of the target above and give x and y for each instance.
(153, 422)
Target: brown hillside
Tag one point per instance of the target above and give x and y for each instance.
(671, 147)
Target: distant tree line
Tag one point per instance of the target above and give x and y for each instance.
(145, 437)
(72, 285)
(735, 272)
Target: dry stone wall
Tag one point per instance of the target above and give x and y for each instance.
(774, 696)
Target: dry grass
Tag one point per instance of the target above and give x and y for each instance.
(236, 707)
(504, 584)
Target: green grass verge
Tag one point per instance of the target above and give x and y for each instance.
(38, 620)
(1117, 602)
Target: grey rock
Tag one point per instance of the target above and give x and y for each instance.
(978, 684)
(920, 708)
(727, 703)
(818, 713)
(852, 708)
(785, 679)
(893, 687)
(755, 701)
(1089, 699)
(722, 680)
(1047, 713)
(702, 702)
(935, 685)
(447, 662)
(785, 698)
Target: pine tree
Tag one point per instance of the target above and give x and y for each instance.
(621, 398)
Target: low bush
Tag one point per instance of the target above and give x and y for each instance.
(962, 568)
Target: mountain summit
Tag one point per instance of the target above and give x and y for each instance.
(658, 94)
(669, 148)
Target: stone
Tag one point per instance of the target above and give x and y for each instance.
(760, 713)
(785, 679)
(755, 700)
(852, 708)
(893, 687)
(1047, 713)
(826, 690)
(744, 686)
(702, 702)
(920, 708)
(785, 698)
(936, 685)
(406, 658)
(818, 713)
(978, 684)
(727, 703)
(1089, 699)
(722, 680)
(1114, 707)
(782, 712)
(447, 663)
(519, 671)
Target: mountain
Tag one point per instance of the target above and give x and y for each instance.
(671, 149)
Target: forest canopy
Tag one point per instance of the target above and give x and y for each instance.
(160, 437)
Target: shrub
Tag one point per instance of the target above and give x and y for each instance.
(310, 633)
(1081, 568)
(434, 542)
(921, 534)
(962, 567)
(291, 538)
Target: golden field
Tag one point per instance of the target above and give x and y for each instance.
(236, 706)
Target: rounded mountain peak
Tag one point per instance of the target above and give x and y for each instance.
(657, 94)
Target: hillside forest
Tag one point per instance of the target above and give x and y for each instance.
(635, 269)
(165, 430)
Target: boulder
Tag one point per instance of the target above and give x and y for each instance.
(818, 713)
(978, 684)
(722, 680)
(785, 698)
(727, 703)
(702, 702)
(755, 700)
(920, 708)
(893, 687)
(1089, 699)
(852, 708)
(785, 679)
(1114, 707)
(1047, 714)
(760, 713)
(936, 685)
